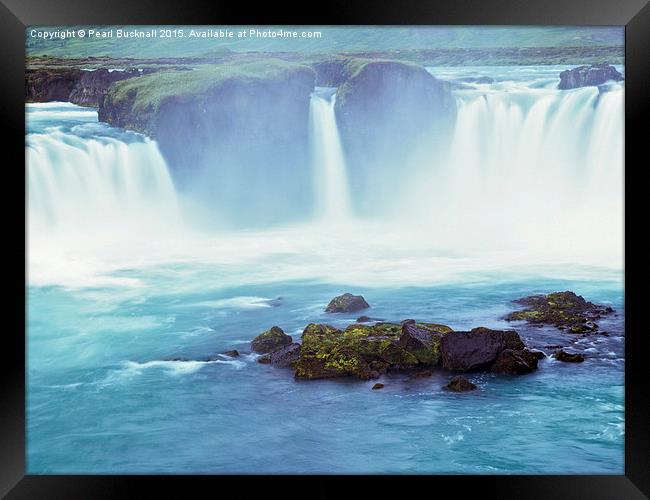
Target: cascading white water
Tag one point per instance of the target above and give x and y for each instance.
(533, 168)
(330, 176)
(99, 198)
(83, 181)
(530, 171)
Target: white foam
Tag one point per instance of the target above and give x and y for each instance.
(240, 302)
(176, 367)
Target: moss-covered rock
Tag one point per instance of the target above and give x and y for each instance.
(225, 129)
(362, 351)
(564, 310)
(347, 303)
(270, 340)
(422, 340)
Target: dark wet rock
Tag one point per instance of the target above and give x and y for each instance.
(271, 340)
(477, 349)
(421, 374)
(346, 303)
(377, 386)
(460, 384)
(422, 340)
(569, 357)
(332, 72)
(86, 88)
(586, 76)
(517, 362)
(286, 356)
(233, 354)
(264, 359)
(93, 85)
(367, 319)
(379, 367)
(43, 85)
(564, 310)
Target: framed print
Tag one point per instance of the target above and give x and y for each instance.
(379, 242)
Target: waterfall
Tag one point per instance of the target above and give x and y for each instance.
(87, 178)
(330, 176)
(535, 167)
(528, 169)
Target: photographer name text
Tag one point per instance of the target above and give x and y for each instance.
(62, 34)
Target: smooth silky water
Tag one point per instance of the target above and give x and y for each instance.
(128, 299)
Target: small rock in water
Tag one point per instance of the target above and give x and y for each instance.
(377, 386)
(585, 76)
(564, 310)
(366, 319)
(346, 303)
(568, 357)
(460, 384)
(233, 354)
(271, 340)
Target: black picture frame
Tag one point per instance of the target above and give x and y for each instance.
(15, 15)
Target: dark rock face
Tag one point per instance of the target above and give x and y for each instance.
(286, 356)
(43, 85)
(86, 88)
(460, 384)
(377, 386)
(271, 340)
(233, 354)
(346, 303)
(93, 85)
(585, 76)
(331, 72)
(385, 110)
(564, 310)
(568, 357)
(476, 349)
(517, 362)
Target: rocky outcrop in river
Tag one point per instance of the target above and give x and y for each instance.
(585, 76)
(564, 310)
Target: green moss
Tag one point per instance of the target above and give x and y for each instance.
(145, 94)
